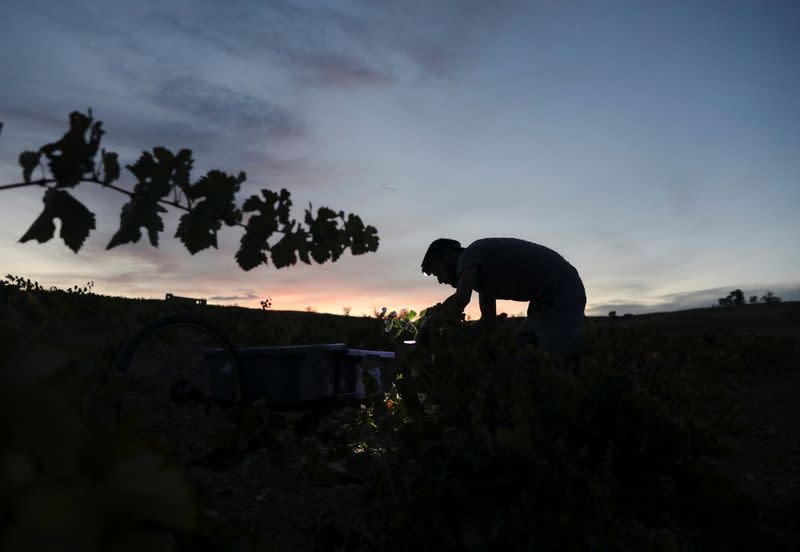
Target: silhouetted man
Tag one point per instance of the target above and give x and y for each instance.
(509, 268)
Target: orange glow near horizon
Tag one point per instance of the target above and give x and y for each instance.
(359, 305)
(319, 297)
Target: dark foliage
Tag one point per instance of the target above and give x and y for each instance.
(476, 444)
(162, 178)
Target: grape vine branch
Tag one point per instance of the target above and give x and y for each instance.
(209, 202)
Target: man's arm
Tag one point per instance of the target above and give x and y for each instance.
(488, 319)
(453, 306)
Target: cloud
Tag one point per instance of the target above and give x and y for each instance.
(212, 105)
(133, 263)
(439, 39)
(306, 43)
(338, 70)
(213, 74)
(347, 45)
(261, 162)
(247, 296)
(46, 120)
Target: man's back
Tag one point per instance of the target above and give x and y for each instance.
(519, 270)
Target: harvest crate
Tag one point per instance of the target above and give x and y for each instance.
(295, 374)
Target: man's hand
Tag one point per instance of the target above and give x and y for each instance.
(424, 332)
(435, 318)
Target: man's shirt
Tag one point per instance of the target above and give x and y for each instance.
(519, 270)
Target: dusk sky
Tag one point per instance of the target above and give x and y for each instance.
(655, 145)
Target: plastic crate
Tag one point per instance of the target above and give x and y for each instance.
(288, 375)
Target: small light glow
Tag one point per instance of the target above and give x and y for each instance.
(412, 342)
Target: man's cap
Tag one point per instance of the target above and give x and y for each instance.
(436, 249)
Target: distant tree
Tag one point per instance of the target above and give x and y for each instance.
(311, 309)
(266, 303)
(737, 297)
(612, 314)
(347, 310)
(753, 299)
(770, 297)
(734, 298)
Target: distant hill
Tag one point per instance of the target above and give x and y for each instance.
(775, 319)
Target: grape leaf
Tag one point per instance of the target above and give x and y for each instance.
(292, 244)
(198, 228)
(360, 238)
(71, 157)
(273, 209)
(284, 206)
(160, 172)
(183, 168)
(219, 191)
(251, 251)
(328, 240)
(139, 212)
(216, 186)
(76, 220)
(29, 160)
(258, 230)
(157, 174)
(154, 173)
(110, 167)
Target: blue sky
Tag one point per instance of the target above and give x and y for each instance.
(653, 144)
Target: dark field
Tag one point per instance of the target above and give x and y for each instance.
(777, 320)
(671, 431)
